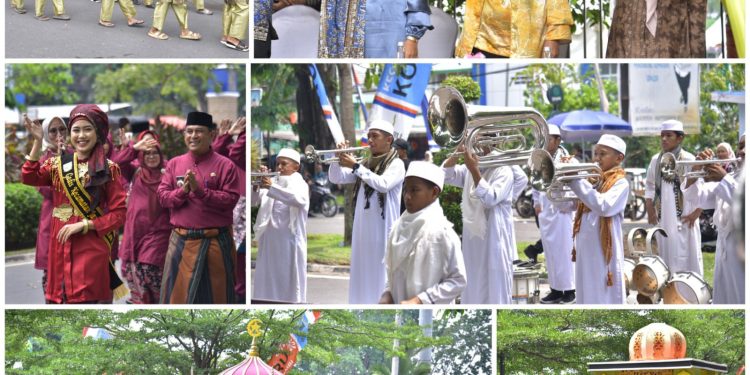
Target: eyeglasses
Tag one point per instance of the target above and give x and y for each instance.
(56, 131)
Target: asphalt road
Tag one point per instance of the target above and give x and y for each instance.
(23, 283)
(82, 37)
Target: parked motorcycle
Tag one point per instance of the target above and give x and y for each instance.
(322, 201)
(525, 204)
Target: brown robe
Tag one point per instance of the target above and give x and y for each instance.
(680, 31)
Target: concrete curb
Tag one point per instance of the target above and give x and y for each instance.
(17, 258)
(321, 268)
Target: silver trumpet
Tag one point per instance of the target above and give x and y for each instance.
(492, 133)
(552, 178)
(671, 167)
(257, 177)
(317, 156)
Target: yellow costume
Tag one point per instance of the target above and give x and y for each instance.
(236, 19)
(108, 6)
(514, 28)
(162, 7)
(57, 5)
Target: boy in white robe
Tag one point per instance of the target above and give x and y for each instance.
(556, 228)
(488, 241)
(597, 229)
(281, 229)
(667, 208)
(716, 191)
(423, 261)
(378, 181)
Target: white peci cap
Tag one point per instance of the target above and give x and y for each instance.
(672, 125)
(381, 125)
(613, 141)
(427, 171)
(289, 154)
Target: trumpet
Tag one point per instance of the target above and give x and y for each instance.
(316, 156)
(257, 177)
(480, 128)
(671, 167)
(552, 178)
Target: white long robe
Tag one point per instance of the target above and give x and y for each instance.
(424, 259)
(681, 251)
(281, 266)
(489, 260)
(729, 270)
(370, 230)
(591, 268)
(520, 180)
(556, 228)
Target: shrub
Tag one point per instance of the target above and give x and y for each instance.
(450, 197)
(22, 206)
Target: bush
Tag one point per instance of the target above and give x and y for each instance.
(450, 197)
(22, 206)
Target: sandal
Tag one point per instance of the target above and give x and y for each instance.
(191, 35)
(135, 23)
(19, 10)
(106, 23)
(62, 17)
(240, 46)
(42, 18)
(158, 35)
(204, 11)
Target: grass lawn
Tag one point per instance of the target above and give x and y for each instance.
(326, 249)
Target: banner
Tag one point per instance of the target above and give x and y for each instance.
(330, 115)
(284, 361)
(660, 92)
(399, 97)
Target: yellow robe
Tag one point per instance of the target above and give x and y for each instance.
(514, 28)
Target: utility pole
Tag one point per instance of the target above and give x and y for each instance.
(394, 359)
(425, 320)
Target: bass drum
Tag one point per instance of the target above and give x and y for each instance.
(627, 270)
(650, 275)
(687, 288)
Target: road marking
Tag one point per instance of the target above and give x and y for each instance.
(14, 264)
(327, 277)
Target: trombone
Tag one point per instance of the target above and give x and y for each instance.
(257, 177)
(480, 128)
(317, 156)
(669, 166)
(552, 178)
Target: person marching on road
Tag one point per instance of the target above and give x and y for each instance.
(377, 188)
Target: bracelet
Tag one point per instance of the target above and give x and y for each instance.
(413, 39)
(85, 226)
(29, 158)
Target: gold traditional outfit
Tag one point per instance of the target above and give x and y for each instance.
(236, 19)
(514, 28)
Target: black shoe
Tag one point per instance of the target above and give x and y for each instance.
(554, 297)
(569, 297)
(531, 253)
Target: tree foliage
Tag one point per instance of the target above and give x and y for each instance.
(42, 84)
(206, 341)
(564, 341)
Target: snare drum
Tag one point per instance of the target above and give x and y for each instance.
(687, 288)
(525, 286)
(650, 274)
(652, 246)
(636, 242)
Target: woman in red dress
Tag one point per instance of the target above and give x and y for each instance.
(81, 234)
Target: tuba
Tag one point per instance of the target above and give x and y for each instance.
(482, 128)
(552, 178)
(318, 156)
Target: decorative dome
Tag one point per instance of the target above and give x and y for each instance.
(253, 365)
(657, 341)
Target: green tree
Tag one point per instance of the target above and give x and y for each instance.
(471, 351)
(564, 341)
(42, 84)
